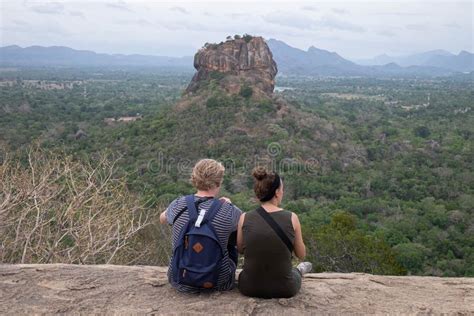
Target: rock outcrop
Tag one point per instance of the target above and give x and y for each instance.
(109, 289)
(236, 62)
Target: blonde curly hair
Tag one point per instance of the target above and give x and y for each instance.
(207, 174)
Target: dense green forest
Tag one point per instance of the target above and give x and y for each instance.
(54, 104)
(380, 171)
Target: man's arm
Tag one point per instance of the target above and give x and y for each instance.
(169, 212)
(163, 219)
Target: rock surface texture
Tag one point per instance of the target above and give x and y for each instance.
(109, 289)
(236, 62)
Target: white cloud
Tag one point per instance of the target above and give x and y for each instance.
(304, 22)
(135, 22)
(17, 26)
(179, 9)
(453, 25)
(120, 5)
(238, 15)
(77, 14)
(340, 11)
(415, 27)
(309, 8)
(386, 33)
(338, 24)
(355, 28)
(48, 8)
(288, 19)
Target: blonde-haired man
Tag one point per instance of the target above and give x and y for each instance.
(219, 217)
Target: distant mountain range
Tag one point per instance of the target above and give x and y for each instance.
(314, 61)
(462, 62)
(290, 61)
(65, 56)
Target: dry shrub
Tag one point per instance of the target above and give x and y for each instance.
(54, 208)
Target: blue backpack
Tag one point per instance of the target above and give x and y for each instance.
(198, 254)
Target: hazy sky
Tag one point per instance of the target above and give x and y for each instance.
(354, 29)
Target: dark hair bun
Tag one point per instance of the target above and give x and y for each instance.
(259, 173)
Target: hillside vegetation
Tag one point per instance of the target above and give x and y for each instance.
(379, 171)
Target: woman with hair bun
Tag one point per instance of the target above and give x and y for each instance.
(268, 237)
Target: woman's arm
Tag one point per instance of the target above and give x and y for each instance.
(300, 248)
(240, 238)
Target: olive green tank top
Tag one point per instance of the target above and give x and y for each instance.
(267, 270)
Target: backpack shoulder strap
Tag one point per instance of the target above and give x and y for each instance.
(191, 207)
(274, 225)
(215, 206)
(181, 211)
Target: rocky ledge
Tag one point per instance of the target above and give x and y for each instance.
(110, 289)
(236, 62)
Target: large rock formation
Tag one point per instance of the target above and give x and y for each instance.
(236, 62)
(108, 289)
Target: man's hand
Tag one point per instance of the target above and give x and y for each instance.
(163, 218)
(225, 199)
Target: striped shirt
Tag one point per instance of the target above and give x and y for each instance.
(224, 223)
